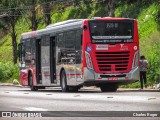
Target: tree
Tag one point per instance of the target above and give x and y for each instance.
(46, 11)
(33, 16)
(11, 19)
(30, 8)
(111, 8)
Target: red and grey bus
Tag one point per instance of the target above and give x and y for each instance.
(102, 52)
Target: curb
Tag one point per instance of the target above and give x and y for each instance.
(10, 84)
(138, 89)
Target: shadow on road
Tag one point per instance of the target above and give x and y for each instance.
(82, 90)
(59, 91)
(96, 90)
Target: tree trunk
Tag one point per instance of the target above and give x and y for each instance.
(33, 19)
(111, 8)
(47, 15)
(14, 44)
(14, 38)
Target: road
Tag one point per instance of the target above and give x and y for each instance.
(86, 99)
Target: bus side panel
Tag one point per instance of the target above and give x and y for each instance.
(33, 72)
(85, 40)
(24, 77)
(136, 37)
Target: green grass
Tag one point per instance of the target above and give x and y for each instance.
(147, 14)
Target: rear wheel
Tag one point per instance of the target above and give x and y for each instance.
(33, 88)
(64, 86)
(109, 88)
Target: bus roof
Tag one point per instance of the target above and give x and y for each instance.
(64, 22)
(28, 35)
(65, 25)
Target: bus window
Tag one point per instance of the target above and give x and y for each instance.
(33, 47)
(78, 40)
(27, 52)
(60, 40)
(70, 39)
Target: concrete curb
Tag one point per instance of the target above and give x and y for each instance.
(138, 89)
(10, 84)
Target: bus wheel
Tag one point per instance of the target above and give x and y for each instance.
(109, 88)
(33, 88)
(64, 86)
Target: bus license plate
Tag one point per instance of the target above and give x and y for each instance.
(113, 78)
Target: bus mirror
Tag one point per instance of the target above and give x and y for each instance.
(84, 27)
(18, 54)
(23, 52)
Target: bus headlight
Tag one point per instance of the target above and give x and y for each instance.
(88, 60)
(135, 60)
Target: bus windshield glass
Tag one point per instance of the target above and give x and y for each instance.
(111, 31)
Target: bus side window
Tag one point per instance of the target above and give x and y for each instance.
(60, 46)
(70, 39)
(33, 51)
(78, 40)
(60, 40)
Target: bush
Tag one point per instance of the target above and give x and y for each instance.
(151, 49)
(8, 71)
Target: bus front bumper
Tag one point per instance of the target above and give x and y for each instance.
(91, 77)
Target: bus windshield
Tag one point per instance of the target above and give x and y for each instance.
(111, 31)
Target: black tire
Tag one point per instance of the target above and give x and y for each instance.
(32, 87)
(109, 88)
(73, 89)
(64, 86)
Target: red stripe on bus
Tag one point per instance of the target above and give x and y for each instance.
(69, 74)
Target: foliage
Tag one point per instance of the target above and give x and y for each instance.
(8, 71)
(147, 14)
(151, 50)
(6, 42)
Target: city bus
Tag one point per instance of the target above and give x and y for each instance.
(101, 52)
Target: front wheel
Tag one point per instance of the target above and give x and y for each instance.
(109, 88)
(32, 87)
(64, 86)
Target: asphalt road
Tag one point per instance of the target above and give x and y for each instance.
(87, 99)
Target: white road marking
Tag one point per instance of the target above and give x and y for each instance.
(35, 109)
